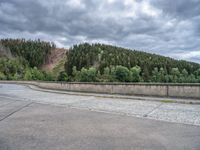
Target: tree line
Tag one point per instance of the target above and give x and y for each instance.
(123, 74)
(17, 69)
(34, 51)
(110, 63)
(21, 59)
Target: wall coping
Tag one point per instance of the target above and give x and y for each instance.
(106, 83)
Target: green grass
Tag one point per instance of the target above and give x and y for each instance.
(59, 67)
(168, 101)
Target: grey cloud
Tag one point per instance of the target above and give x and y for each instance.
(158, 26)
(179, 8)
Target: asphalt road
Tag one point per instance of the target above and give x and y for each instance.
(39, 120)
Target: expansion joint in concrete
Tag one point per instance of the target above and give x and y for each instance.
(17, 110)
(147, 114)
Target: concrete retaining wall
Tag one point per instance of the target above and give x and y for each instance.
(146, 89)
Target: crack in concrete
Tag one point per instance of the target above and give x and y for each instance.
(17, 110)
(146, 115)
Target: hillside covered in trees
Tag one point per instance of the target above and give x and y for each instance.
(99, 62)
(22, 59)
(35, 52)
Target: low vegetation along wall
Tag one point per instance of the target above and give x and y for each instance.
(146, 89)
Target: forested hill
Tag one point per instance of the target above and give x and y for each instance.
(102, 56)
(22, 59)
(34, 51)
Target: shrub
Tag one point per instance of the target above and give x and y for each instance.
(122, 74)
(2, 76)
(63, 76)
(135, 74)
(88, 75)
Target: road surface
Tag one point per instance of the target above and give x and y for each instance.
(40, 120)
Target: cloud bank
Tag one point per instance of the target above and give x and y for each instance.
(166, 27)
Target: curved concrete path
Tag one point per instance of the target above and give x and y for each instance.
(40, 120)
(171, 112)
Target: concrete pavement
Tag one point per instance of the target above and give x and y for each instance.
(40, 120)
(171, 112)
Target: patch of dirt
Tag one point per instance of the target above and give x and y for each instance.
(54, 58)
(5, 52)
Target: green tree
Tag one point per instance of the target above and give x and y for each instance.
(162, 74)
(106, 76)
(37, 74)
(28, 74)
(2, 76)
(197, 75)
(106, 71)
(155, 75)
(48, 76)
(88, 75)
(16, 76)
(75, 74)
(113, 73)
(183, 76)
(175, 74)
(135, 73)
(145, 74)
(122, 74)
(185, 73)
(159, 75)
(168, 78)
(33, 74)
(63, 76)
(192, 79)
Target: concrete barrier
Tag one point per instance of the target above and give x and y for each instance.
(145, 89)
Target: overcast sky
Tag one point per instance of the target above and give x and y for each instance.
(166, 27)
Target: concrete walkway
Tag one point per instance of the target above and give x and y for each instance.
(36, 120)
(170, 112)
